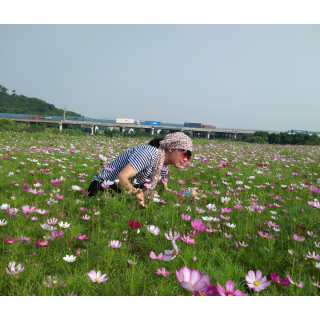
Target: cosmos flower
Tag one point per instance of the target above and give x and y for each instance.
(224, 218)
(185, 217)
(116, 244)
(163, 272)
(297, 237)
(153, 256)
(171, 254)
(64, 224)
(192, 280)
(187, 240)
(12, 269)
(172, 237)
(229, 290)
(69, 258)
(85, 217)
(11, 240)
(198, 225)
(81, 237)
(57, 235)
(42, 243)
(134, 225)
(154, 230)
(313, 256)
(256, 282)
(97, 277)
(300, 285)
(3, 222)
(276, 278)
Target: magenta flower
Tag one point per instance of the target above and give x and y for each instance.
(57, 235)
(42, 243)
(56, 182)
(185, 217)
(228, 236)
(226, 210)
(276, 278)
(266, 236)
(256, 282)
(83, 209)
(22, 238)
(238, 207)
(97, 277)
(11, 212)
(242, 244)
(11, 241)
(297, 237)
(81, 237)
(209, 291)
(224, 218)
(187, 239)
(198, 225)
(229, 290)
(60, 197)
(314, 189)
(27, 209)
(300, 285)
(192, 280)
(163, 272)
(153, 256)
(134, 224)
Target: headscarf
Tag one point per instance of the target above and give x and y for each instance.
(177, 140)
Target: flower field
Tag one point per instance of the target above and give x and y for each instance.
(256, 232)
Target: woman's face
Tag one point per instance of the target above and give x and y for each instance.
(176, 158)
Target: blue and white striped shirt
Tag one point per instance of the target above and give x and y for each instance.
(142, 159)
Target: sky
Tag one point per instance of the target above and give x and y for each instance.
(242, 76)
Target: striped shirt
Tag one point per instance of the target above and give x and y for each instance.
(142, 159)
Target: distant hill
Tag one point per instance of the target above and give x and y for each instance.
(13, 103)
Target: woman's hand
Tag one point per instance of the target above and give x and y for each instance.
(139, 195)
(195, 193)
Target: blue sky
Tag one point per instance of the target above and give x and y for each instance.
(263, 77)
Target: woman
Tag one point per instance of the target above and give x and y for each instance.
(145, 165)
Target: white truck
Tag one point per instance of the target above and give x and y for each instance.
(118, 120)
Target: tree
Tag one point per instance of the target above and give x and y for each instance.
(3, 89)
(14, 93)
(274, 138)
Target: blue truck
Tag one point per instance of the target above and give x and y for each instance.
(153, 123)
(193, 125)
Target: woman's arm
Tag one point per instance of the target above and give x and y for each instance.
(124, 175)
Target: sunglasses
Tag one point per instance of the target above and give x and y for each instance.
(186, 153)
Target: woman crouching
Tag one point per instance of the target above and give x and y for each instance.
(145, 164)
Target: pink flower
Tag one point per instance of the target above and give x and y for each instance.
(228, 236)
(163, 272)
(229, 290)
(224, 218)
(256, 282)
(310, 233)
(56, 182)
(42, 243)
(185, 217)
(97, 277)
(45, 226)
(81, 237)
(238, 207)
(187, 239)
(60, 197)
(209, 291)
(33, 218)
(116, 244)
(57, 235)
(300, 285)
(10, 211)
(198, 225)
(181, 181)
(85, 217)
(242, 244)
(11, 241)
(276, 278)
(297, 237)
(266, 236)
(13, 269)
(171, 237)
(27, 209)
(42, 212)
(313, 255)
(226, 210)
(52, 221)
(314, 189)
(192, 280)
(83, 209)
(153, 256)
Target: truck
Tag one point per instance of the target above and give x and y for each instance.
(36, 117)
(207, 126)
(120, 120)
(47, 117)
(75, 118)
(193, 125)
(153, 123)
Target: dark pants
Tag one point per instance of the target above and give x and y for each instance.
(95, 188)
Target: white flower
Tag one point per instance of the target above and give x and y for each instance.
(4, 206)
(75, 188)
(10, 174)
(225, 199)
(3, 222)
(318, 265)
(48, 237)
(273, 212)
(117, 181)
(138, 231)
(64, 224)
(290, 252)
(69, 258)
(153, 229)
(211, 206)
(317, 244)
(156, 199)
(231, 225)
(207, 218)
(131, 262)
(171, 254)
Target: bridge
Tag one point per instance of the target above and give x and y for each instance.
(197, 132)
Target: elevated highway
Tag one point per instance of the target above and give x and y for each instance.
(197, 132)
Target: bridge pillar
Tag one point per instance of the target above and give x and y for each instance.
(92, 130)
(207, 135)
(28, 123)
(60, 126)
(121, 129)
(150, 131)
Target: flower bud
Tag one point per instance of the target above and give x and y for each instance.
(194, 258)
(63, 286)
(78, 252)
(35, 266)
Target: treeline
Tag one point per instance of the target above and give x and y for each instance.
(282, 138)
(20, 104)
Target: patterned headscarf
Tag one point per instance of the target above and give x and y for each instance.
(177, 140)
